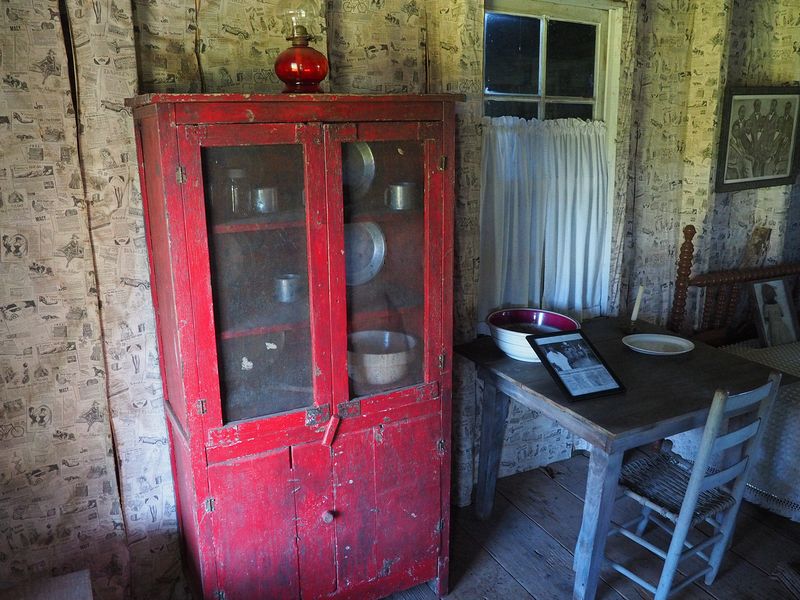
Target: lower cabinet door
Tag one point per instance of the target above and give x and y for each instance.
(313, 522)
(316, 515)
(387, 482)
(254, 527)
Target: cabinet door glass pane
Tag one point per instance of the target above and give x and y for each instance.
(384, 238)
(259, 277)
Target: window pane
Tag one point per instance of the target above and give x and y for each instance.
(500, 108)
(570, 59)
(568, 111)
(511, 54)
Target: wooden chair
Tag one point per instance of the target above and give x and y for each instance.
(677, 495)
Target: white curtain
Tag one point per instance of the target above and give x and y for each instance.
(545, 216)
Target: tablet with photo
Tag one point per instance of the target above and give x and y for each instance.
(575, 364)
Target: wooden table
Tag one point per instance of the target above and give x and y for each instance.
(665, 395)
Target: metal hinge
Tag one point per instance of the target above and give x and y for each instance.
(210, 504)
(349, 409)
(318, 415)
(201, 407)
(441, 361)
(443, 163)
(180, 174)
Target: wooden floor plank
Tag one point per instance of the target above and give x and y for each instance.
(523, 552)
(528, 553)
(782, 526)
(475, 574)
(420, 592)
(559, 512)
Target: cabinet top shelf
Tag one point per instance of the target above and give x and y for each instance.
(159, 98)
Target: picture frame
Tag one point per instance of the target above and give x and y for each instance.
(758, 142)
(776, 315)
(575, 364)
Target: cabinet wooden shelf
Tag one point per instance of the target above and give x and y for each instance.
(307, 463)
(278, 220)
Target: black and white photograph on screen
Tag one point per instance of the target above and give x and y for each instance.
(758, 140)
(575, 364)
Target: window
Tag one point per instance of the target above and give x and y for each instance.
(547, 61)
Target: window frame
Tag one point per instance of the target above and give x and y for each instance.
(611, 56)
(606, 15)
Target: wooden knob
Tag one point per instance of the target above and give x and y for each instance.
(327, 516)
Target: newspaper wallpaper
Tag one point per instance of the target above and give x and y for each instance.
(84, 467)
(677, 100)
(59, 494)
(105, 65)
(674, 125)
(764, 51)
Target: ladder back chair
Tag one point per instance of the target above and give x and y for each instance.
(676, 495)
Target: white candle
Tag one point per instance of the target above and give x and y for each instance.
(637, 304)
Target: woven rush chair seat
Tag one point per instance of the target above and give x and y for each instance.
(676, 494)
(663, 478)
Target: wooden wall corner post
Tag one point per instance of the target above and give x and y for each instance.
(494, 411)
(682, 280)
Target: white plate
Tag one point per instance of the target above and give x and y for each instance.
(364, 251)
(657, 344)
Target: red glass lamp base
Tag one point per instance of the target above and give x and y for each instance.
(302, 69)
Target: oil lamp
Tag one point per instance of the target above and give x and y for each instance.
(300, 66)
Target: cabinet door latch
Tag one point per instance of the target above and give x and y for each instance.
(441, 361)
(201, 407)
(330, 431)
(209, 505)
(219, 595)
(443, 163)
(180, 174)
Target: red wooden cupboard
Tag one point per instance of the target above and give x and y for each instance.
(301, 263)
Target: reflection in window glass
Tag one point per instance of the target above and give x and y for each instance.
(570, 59)
(523, 110)
(568, 111)
(511, 54)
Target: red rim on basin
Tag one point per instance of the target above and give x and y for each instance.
(542, 318)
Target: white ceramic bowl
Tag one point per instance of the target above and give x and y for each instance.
(379, 357)
(511, 326)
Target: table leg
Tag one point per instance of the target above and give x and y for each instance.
(494, 406)
(601, 489)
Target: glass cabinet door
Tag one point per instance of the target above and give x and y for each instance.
(257, 243)
(384, 239)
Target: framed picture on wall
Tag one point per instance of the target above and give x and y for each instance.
(759, 138)
(776, 315)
